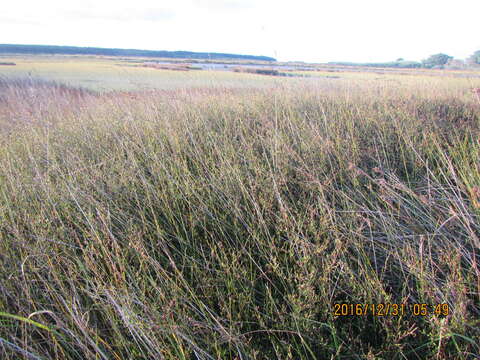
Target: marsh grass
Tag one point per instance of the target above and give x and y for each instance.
(106, 74)
(225, 223)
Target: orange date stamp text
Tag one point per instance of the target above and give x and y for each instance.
(390, 309)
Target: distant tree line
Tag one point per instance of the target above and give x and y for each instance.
(391, 64)
(436, 61)
(443, 61)
(74, 50)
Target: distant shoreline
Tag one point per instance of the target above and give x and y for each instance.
(74, 50)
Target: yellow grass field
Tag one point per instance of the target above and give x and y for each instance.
(111, 74)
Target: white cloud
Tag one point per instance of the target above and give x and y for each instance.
(228, 5)
(122, 15)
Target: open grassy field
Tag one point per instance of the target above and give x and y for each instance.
(224, 216)
(106, 74)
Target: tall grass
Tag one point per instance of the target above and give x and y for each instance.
(224, 224)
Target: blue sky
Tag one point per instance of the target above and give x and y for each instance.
(312, 31)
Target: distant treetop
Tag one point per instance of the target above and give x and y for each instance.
(475, 58)
(436, 60)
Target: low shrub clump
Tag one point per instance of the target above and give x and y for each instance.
(266, 71)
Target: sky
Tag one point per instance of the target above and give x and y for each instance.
(299, 30)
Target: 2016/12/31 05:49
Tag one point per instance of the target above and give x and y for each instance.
(390, 309)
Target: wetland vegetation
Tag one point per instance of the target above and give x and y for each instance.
(158, 214)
